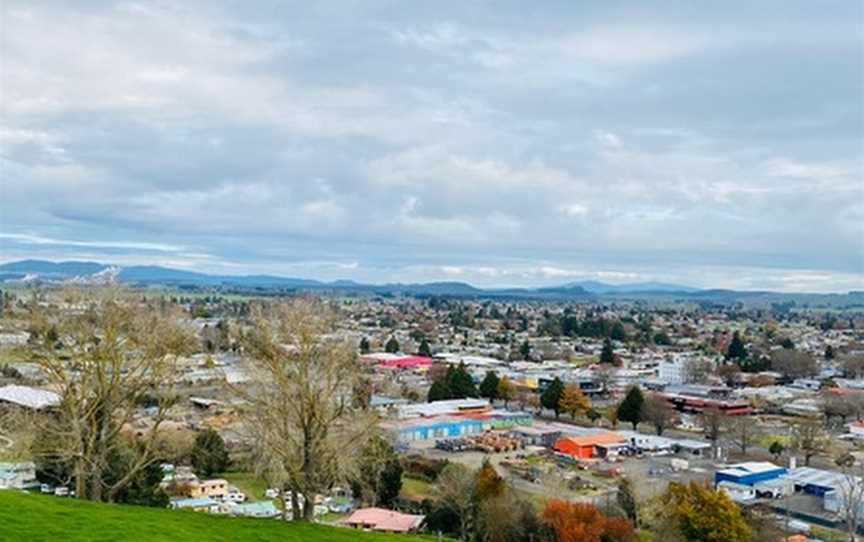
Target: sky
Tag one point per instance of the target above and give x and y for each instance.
(507, 143)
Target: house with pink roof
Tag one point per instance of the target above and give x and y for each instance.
(381, 519)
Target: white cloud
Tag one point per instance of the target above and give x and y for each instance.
(131, 245)
(632, 45)
(607, 139)
(451, 135)
(574, 209)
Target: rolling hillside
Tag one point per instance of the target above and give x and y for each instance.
(37, 518)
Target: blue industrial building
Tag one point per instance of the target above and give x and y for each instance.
(425, 429)
(749, 474)
(437, 427)
(816, 481)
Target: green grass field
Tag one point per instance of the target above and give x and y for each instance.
(415, 489)
(253, 486)
(37, 518)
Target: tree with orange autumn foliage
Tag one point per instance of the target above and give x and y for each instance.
(582, 522)
(573, 401)
(488, 484)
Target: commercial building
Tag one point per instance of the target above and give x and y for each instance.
(588, 446)
(696, 399)
(450, 426)
(750, 473)
(27, 397)
(447, 407)
(816, 482)
(451, 418)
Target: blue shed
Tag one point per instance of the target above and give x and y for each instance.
(749, 473)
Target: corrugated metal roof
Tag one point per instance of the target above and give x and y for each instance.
(29, 397)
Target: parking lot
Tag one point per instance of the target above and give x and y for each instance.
(650, 475)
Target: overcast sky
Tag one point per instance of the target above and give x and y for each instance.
(499, 143)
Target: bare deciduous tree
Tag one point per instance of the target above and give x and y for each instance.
(307, 431)
(659, 413)
(809, 438)
(742, 431)
(793, 363)
(113, 357)
(712, 424)
(697, 371)
(851, 493)
(455, 489)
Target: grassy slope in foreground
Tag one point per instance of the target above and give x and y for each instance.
(35, 518)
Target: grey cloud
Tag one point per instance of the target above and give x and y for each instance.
(661, 139)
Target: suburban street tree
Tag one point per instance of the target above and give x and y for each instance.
(712, 421)
(378, 473)
(298, 404)
(776, 449)
(736, 351)
(658, 412)
(851, 493)
(551, 397)
(573, 401)
(699, 513)
(209, 455)
(506, 390)
(454, 488)
(607, 354)
(489, 386)
(632, 407)
(809, 439)
(741, 431)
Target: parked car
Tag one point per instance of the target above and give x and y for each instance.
(235, 496)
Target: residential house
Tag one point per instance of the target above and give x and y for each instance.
(17, 475)
(381, 519)
(217, 488)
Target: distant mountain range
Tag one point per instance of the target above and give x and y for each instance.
(97, 273)
(596, 287)
(145, 275)
(148, 274)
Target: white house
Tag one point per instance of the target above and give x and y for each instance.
(856, 429)
(17, 475)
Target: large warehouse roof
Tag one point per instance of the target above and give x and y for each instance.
(28, 397)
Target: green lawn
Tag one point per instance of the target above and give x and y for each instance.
(38, 518)
(253, 486)
(415, 489)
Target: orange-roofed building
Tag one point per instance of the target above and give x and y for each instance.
(585, 447)
(843, 392)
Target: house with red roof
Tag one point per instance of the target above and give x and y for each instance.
(381, 519)
(386, 360)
